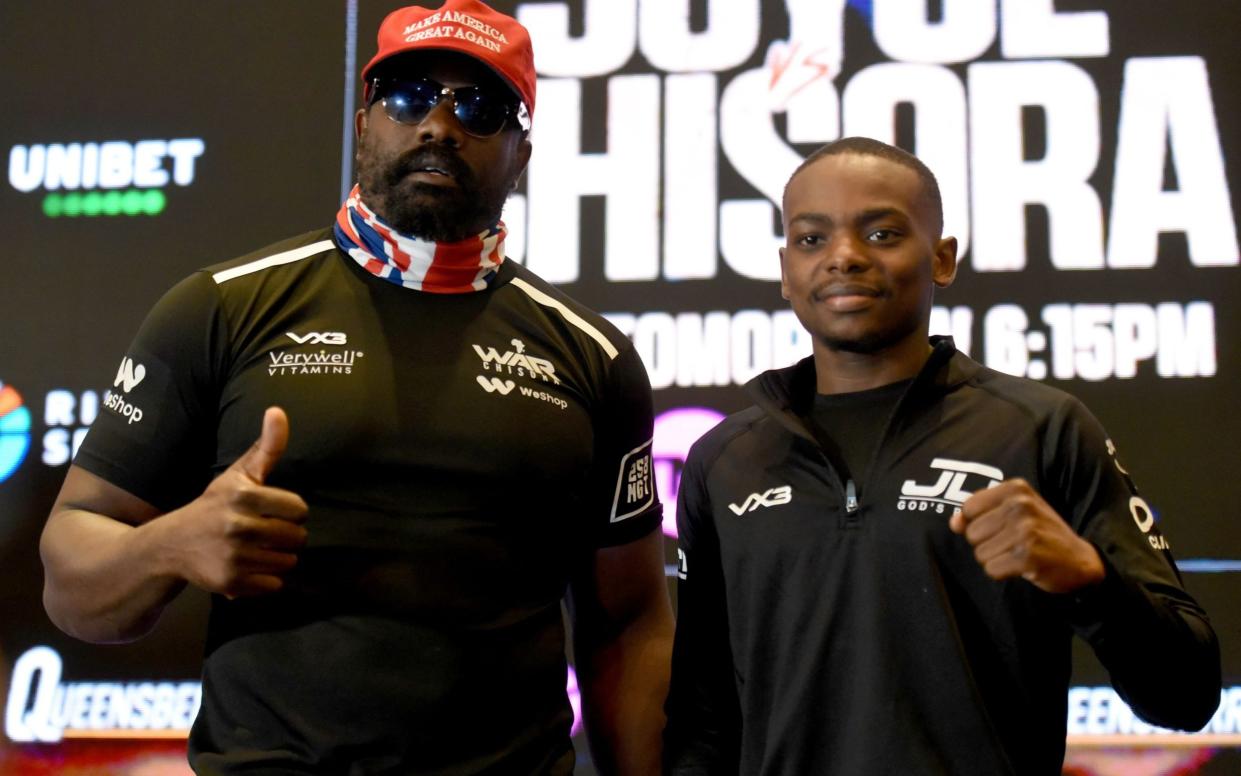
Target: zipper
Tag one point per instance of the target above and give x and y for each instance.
(850, 497)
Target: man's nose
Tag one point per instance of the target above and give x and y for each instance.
(847, 253)
(440, 126)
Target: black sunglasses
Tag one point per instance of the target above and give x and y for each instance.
(481, 112)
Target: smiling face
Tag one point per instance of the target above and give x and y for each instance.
(432, 179)
(862, 255)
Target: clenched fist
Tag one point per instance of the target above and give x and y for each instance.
(1016, 533)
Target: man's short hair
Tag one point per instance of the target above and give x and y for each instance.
(866, 146)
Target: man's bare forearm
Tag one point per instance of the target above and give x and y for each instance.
(624, 684)
(104, 580)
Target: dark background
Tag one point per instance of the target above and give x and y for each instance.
(263, 84)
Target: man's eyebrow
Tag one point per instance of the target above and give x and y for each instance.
(880, 213)
(865, 217)
(812, 219)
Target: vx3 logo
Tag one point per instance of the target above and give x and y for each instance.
(319, 338)
(496, 384)
(129, 375)
(949, 487)
(771, 498)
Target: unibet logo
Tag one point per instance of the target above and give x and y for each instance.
(319, 338)
(113, 165)
(496, 384)
(112, 178)
(129, 375)
(14, 431)
(771, 498)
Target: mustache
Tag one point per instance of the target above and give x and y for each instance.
(837, 288)
(430, 156)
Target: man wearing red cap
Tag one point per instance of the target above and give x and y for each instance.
(446, 447)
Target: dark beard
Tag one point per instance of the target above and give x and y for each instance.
(426, 211)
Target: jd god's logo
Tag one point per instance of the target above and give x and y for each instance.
(949, 489)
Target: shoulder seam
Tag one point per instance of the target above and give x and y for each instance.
(570, 316)
(728, 439)
(1004, 397)
(285, 257)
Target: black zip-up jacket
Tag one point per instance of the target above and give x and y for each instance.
(822, 634)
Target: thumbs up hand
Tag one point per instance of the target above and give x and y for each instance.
(240, 536)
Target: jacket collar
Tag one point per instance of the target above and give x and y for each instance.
(788, 394)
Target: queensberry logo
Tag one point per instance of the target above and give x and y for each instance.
(41, 708)
(104, 179)
(14, 431)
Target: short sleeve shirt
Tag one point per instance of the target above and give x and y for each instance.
(459, 454)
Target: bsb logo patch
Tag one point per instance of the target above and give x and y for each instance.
(635, 483)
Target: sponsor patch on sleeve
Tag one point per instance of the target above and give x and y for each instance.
(132, 397)
(635, 483)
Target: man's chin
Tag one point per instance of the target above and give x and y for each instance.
(424, 194)
(428, 212)
(862, 343)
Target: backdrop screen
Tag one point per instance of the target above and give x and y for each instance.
(1086, 152)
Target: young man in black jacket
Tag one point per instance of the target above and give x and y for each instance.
(883, 562)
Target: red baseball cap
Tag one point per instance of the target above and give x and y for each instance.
(468, 26)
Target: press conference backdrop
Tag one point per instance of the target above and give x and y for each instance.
(1086, 152)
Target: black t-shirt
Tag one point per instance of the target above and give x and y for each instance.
(459, 454)
(848, 426)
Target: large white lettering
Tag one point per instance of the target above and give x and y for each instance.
(1166, 102)
(1004, 182)
(111, 165)
(627, 175)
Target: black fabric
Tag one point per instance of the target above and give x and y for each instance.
(807, 644)
(459, 453)
(848, 426)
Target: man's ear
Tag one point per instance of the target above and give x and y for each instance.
(359, 127)
(521, 157)
(944, 262)
(784, 292)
